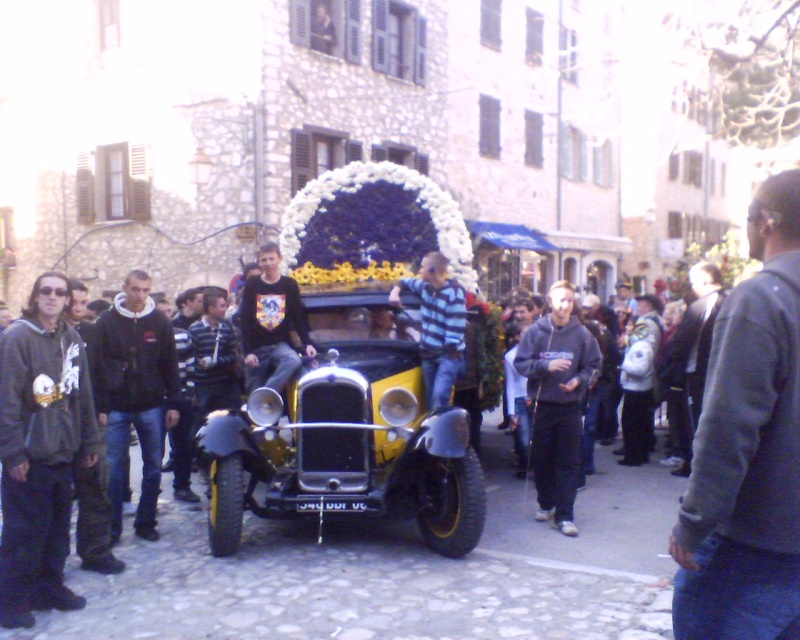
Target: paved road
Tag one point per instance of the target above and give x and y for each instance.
(374, 580)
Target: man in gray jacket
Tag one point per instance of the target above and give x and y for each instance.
(738, 534)
(561, 360)
(47, 419)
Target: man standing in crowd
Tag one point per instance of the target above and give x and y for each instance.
(270, 308)
(93, 530)
(191, 310)
(47, 420)
(625, 295)
(139, 367)
(444, 322)
(525, 312)
(638, 381)
(216, 385)
(691, 350)
(561, 360)
(738, 535)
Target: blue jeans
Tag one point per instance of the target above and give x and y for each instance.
(439, 375)
(181, 441)
(148, 425)
(522, 434)
(739, 593)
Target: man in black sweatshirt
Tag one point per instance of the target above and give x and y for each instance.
(738, 534)
(270, 308)
(139, 368)
(561, 360)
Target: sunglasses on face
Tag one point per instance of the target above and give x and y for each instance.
(47, 291)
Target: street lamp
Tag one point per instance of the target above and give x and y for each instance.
(200, 167)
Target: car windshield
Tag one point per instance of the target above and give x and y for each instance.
(356, 324)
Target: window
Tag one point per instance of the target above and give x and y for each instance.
(491, 29)
(405, 155)
(534, 38)
(316, 150)
(568, 54)
(603, 157)
(674, 225)
(489, 143)
(109, 24)
(534, 139)
(331, 27)
(674, 166)
(113, 183)
(399, 41)
(693, 168)
(574, 164)
(712, 177)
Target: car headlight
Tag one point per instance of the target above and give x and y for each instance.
(398, 407)
(265, 406)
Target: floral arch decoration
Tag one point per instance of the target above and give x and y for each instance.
(370, 221)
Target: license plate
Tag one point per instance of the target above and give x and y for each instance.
(332, 505)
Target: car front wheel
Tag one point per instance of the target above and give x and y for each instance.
(227, 506)
(454, 504)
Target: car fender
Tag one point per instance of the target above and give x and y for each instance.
(225, 433)
(444, 433)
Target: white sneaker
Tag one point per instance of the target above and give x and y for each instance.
(672, 461)
(129, 508)
(568, 528)
(543, 515)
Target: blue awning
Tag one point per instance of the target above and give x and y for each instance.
(510, 236)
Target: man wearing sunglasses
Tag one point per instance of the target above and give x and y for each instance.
(738, 535)
(47, 420)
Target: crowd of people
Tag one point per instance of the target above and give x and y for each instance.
(77, 376)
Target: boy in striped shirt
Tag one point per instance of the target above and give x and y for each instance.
(444, 321)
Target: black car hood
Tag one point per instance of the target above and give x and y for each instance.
(374, 359)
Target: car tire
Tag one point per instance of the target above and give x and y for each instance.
(226, 506)
(454, 504)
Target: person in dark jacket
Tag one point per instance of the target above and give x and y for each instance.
(737, 539)
(139, 364)
(561, 360)
(46, 421)
(93, 530)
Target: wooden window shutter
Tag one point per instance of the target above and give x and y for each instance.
(489, 144)
(584, 142)
(84, 187)
(422, 162)
(534, 41)
(380, 35)
(301, 160)
(139, 205)
(421, 50)
(491, 21)
(609, 158)
(674, 166)
(300, 22)
(352, 37)
(379, 153)
(353, 151)
(534, 135)
(597, 162)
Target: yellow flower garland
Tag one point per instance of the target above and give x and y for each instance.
(386, 272)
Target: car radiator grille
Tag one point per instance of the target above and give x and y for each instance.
(333, 459)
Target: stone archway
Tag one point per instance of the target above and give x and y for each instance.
(600, 279)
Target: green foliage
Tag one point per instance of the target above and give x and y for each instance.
(727, 254)
(491, 349)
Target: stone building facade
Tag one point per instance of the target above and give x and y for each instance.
(509, 106)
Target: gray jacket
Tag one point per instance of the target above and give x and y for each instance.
(47, 412)
(545, 342)
(745, 481)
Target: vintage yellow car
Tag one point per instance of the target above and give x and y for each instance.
(352, 435)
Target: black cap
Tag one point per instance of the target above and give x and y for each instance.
(658, 303)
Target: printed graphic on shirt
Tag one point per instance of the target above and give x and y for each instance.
(271, 310)
(556, 355)
(47, 392)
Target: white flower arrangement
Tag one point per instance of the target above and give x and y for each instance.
(452, 235)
